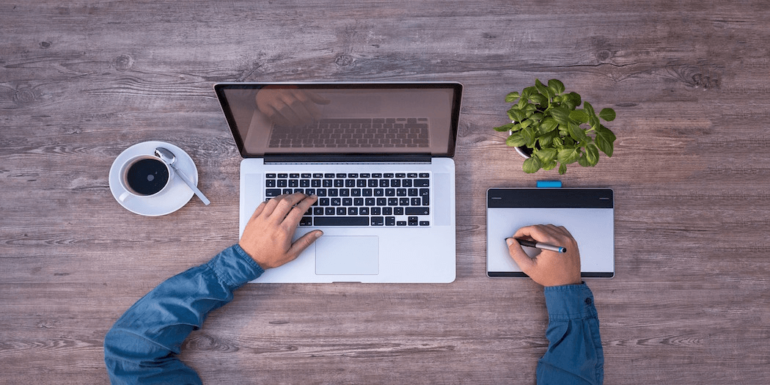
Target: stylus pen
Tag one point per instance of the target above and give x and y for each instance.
(544, 246)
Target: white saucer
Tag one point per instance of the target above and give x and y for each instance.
(176, 195)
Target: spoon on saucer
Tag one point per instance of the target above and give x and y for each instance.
(168, 157)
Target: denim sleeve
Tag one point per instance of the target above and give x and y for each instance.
(141, 346)
(574, 353)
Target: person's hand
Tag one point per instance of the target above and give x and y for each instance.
(549, 268)
(289, 107)
(267, 237)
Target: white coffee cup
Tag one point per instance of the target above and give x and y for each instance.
(146, 178)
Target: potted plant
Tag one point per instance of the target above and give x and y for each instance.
(547, 128)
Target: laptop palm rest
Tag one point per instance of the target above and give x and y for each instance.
(358, 255)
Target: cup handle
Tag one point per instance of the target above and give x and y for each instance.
(123, 196)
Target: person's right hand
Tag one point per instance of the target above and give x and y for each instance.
(290, 107)
(267, 236)
(549, 268)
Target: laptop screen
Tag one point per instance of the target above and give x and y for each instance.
(342, 118)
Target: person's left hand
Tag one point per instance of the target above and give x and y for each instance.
(267, 237)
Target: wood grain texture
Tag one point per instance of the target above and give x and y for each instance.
(81, 81)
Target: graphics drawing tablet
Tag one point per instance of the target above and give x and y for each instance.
(587, 213)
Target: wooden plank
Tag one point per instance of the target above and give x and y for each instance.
(80, 82)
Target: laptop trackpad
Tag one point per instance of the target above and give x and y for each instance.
(347, 255)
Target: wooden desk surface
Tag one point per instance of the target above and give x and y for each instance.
(82, 81)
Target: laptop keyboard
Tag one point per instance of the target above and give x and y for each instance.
(354, 133)
(358, 199)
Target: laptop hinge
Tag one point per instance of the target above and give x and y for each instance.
(347, 158)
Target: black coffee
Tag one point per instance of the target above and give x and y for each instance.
(147, 176)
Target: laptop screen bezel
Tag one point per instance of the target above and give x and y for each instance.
(456, 88)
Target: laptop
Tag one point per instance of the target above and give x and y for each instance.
(379, 158)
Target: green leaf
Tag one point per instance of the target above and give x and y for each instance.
(537, 116)
(593, 121)
(516, 114)
(504, 127)
(539, 99)
(592, 154)
(546, 154)
(605, 139)
(556, 86)
(529, 134)
(530, 108)
(547, 138)
(510, 98)
(522, 102)
(578, 133)
(562, 169)
(575, 97)
(557, 142)
(568, 155)
(547, 125)
(579, 116)
(550, 165)
(526, 123)
(561, 115)
(542, 89)
(531, 165)
(516, 140)
(607, 114)
(589, 109)
(583, 161)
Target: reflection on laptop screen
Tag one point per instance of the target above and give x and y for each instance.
(343, 118)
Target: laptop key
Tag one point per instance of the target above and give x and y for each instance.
(299, 190)
(318, 175)
(304, 183)
(341, 221)
(376, 175)
(421, 183)
(390, 192)
(358, 201)
(424, 175)
(315, 183)
(412, 192)
(306, 221)
(417, 211)
(344, 192)
(363, 211)
(341, 211)
(376, 211)
(377, 221)
(390, 221)
(392, 201)
(352, 210)
(367, 192)
(378, 192)
(416, 201)
(401, 223)
(328, 175)
(318, 211)
(272, 192)
(424, 192)
(411, 175)
(338, 201)
(401, 192)
(324, 201)
(398, 211)
(287, 191)
(269, 175)
(283, 175)
(339, 183)
(424, 223)
(406, 183)
(321, 192)
(395, 183)
(361, 183)
(305, 175)
(381, 202)
(387, 211)
(400, 175)
(347, 201)
(309, 191)
(329, 211)
(270, 183)
(372, 183)
(369, 201)
(356, 192)
(333, 192)
(282, 183)
(426, 201)
(364, 175)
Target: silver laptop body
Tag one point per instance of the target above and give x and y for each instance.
(379, 157)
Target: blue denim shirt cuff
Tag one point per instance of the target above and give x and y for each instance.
(234, 267)
(569, 302)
